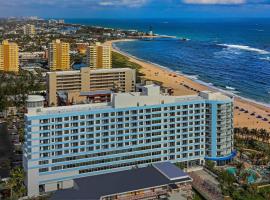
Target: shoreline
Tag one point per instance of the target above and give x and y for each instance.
(182, 84)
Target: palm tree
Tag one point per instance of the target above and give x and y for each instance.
(263, 134)
(254, 133)
(16, 183)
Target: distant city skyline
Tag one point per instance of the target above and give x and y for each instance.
(135, 8)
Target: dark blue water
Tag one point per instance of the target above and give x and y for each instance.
(228, 53)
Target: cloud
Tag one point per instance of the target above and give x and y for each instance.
(68, 3)
(128, 3)
(224, 2)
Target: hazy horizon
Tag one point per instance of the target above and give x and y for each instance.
(123, 9)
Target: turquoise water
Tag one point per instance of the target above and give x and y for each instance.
(231, 54)
(251, 178)
(232, 170)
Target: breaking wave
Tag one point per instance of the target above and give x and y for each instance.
(245, 48)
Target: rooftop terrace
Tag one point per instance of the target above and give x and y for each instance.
(151, 96)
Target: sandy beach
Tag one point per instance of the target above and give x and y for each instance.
(245, 113)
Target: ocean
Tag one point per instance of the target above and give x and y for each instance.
(231, 54)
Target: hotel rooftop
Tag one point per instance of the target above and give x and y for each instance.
(149, 96)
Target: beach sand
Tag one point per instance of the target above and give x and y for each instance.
(183, 85)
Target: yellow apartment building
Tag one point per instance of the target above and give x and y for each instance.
(99, 56)
(59, 58)
(9, 56)
(29, 29)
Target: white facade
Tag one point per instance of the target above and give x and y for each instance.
(136, 129)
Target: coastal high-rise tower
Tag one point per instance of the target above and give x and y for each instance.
(9, 57)
(59, 58)
(99, 56)
(135, 129)
(29, 29)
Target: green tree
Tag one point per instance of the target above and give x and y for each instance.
(210, 165)
(16, 183)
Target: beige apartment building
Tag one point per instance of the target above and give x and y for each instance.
(29, 29)
(9, 57)
(77, 84)
(99, 56)
(59, 59)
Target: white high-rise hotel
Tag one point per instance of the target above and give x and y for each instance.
(135, 129)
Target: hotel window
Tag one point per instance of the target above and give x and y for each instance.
(120, 145)
(82, 123)
(90, 116)
(59, 119)
(82, 149)
(119, 114)
(74, 151)
(134, 118)
(172, 108)
(42, 155)
(105, 115)
(105, 121)
(74, 118)
(43, 162)
(43, 169)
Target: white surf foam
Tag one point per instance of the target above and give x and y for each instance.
(231, 93)
(266, 58)
(245, 48)
(230, 88)
(193, 77)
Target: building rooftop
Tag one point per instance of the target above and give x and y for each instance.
(151, 96)
(35, 98)
(97, 92)
(170, 171)
(93, 71)
(95, 187)
(214, 95)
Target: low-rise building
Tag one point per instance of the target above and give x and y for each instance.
(77, 83)
(159, 181)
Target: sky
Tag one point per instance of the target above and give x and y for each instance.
(135, 8)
